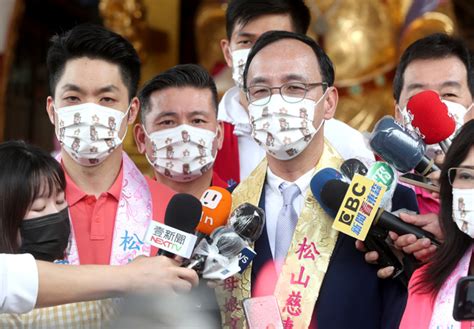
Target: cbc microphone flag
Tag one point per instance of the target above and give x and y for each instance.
(359, 207)
(170, 239)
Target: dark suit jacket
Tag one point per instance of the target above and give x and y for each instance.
(351, 295)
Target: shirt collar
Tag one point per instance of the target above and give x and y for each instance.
(74, 194)
(302, 182)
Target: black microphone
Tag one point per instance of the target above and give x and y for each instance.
(182, 213)
(395, 145)
(247, 221)
(333, 192)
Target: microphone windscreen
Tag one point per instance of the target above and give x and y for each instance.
(353, 166)
(183, 212)
(248, 221)
(332, 194)
(216, 205)
(395, 145)
(431, 117)
(318, 181)
(229, 243)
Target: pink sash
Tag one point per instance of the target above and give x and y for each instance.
(133, 216)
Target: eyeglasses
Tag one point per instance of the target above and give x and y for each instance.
(291, 92)
(461, 177)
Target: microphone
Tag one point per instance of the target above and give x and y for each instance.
(375, 240)
(216, 205)
(395, 145)
(333, 193)
(353, 166)
(382, 173)
(248, 221)
(176, 237)
(431, 119)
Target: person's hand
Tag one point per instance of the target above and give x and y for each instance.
(422, 249)
(372, 257)
(159, 274)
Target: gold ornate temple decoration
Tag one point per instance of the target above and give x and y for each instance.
(127, 18)
(364, 39)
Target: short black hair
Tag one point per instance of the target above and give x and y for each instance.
(183, 75)
(95, 42)
(243, 11)
(325, 64)
(435, 46)
(26, 173)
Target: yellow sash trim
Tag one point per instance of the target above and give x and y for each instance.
(300, 280)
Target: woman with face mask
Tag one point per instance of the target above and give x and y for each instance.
(432, 287)
(34, 219)
(33, 213)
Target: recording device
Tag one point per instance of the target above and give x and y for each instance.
(375, 240)
(262, 312)
(431, 119)
(353, 166)
(382, 172)
(175, 236)
(333, 192)
(420, 181)
(464, 299)
(395, 145)
(248, 221)
(216, 205)
(227, 252)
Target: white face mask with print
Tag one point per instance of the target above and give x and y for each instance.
(463, 210)
(89, 132)
(239, 58)
(284, 129)
(182, 153)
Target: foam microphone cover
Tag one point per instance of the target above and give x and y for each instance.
(248, 221)
(183, 212)
(216, 205)
(395, 145)
(332, 194)
(431, 117)
(318, 182)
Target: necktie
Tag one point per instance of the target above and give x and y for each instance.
(287, 219)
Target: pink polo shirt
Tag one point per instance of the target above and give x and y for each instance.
(93, 220)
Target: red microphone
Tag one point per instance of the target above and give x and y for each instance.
(431, 118)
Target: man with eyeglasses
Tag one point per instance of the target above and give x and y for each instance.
(317, 276)
(246, 21)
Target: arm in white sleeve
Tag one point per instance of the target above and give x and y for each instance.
(18, 283)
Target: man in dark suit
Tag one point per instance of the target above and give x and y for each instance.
(316, 275)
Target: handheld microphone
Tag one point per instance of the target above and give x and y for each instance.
(396, 146)
(175, 236)
(248, 221)
(382, 173)
(216, 204)
(333, 193)
(431, 119)
(375, 240)
(353, 166)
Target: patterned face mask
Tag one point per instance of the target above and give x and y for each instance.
(182, 153)
(239, 58)
(89, 132)
(282, 128)
(463, 210)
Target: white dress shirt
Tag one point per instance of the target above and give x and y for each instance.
(274, 201)
(347, 141)
(18, 283)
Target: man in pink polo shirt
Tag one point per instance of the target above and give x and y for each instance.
(93, 76)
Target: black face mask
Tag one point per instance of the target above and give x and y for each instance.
(46, 237)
